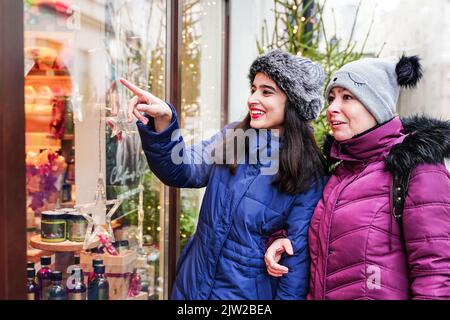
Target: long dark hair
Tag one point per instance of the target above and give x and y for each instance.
(301, 161)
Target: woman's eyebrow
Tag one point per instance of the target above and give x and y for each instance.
(346, 91)
(268, 87)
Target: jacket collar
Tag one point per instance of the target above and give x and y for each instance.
(425, 141)
(371, 146)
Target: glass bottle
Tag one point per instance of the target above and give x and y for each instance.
(76, 261)
(94, 263)
(30, 264)
(70, 174)
(135, 284)
(76, 290)
(122, 246)
(76, 264)
(99, 287)
(43, 276)
(69, 178)
(56, 291)
(32, 286)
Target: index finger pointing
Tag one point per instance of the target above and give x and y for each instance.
(136, 90)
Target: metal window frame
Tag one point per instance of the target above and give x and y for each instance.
(12, 153)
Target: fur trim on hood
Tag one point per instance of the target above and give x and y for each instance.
(428, 142)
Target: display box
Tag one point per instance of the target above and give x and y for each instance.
(140, 296)
(118, 270)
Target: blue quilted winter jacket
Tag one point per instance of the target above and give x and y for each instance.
(224, 259)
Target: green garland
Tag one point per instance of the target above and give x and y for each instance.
(300, 29)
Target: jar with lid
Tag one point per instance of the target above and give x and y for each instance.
(53, 226)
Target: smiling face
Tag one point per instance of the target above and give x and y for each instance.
(266, 104)
(346, 115)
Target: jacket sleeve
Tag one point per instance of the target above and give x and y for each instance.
(279, 234)
(171, 161)
(426, 227)
(294, 284)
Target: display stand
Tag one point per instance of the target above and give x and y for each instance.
(64, 251)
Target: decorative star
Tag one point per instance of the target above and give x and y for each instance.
(99, 220)
(119, 124)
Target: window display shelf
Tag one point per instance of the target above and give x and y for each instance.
(64, 251)
(66, 246)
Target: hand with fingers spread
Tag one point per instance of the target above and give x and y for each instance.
(273, 256)
(145, 102)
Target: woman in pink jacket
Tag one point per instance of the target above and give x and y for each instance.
(382, 227)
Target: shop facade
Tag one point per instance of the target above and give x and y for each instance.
(79, 150)
(64, 135)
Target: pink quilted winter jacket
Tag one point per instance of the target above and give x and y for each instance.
(356, 246)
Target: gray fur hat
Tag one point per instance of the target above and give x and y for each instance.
(376, 82)
(299, 78)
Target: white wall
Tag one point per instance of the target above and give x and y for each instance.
(411, 26)
(415, 27)
(246, 20)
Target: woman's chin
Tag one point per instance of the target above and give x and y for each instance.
(340, 136)
(257, 124)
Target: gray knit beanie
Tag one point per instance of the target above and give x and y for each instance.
(376, 82)
(299, 78)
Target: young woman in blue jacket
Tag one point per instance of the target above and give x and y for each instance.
(252, 195)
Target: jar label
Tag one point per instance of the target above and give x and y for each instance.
(77, 230)
(53, 231)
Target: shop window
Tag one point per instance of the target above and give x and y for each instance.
(75, 52)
